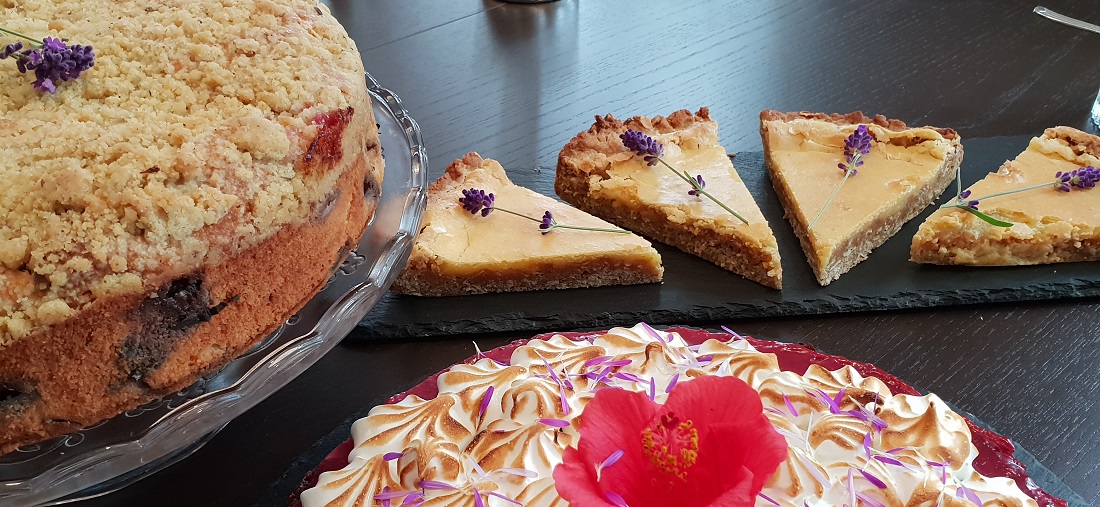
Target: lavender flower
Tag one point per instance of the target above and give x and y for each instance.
(475, 200)
(699, 185)
(1085, 177)
(855, 146)
(548, 223)
(10, 49)
(643, 146)
(52, 61)
(972, 203)
(651, 151)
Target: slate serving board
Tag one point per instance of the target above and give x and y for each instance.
(695, 290)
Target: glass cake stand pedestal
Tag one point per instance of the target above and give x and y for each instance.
(114, 453)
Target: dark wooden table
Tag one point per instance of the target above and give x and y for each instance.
(515, 82)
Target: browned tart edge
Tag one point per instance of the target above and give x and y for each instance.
(589, 154)
(422, 275)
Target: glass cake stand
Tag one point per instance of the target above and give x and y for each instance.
(111, 454)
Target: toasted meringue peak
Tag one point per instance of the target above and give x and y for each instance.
(846, 433)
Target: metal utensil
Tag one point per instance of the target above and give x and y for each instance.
(1066, 20)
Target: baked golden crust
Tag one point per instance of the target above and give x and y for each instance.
(584, 163)
(1049, 226)
(853, 118)
(176, 203)
(874, 230)
(559, 260)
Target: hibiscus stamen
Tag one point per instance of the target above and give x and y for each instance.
(671, 445)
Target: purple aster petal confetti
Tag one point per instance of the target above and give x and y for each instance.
(521, 472)
(505, 498)
(485, 401)
(873, 480)
(790, 406)
(435, 485)
(629, 377)
(967, 493)
(554, 423)
(596, 361)
(390, 456)
(477, 498)
(672, 383)
(615, 499)
(891, 461)
(611, 460)
(768, 499)
(867, 500)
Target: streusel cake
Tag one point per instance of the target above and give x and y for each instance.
(175, 203)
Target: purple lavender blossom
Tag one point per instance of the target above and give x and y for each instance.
(10, 49)
(475, 200)
(972, 204)
(643, 146)
(1085, 177)
(701, 182)
(855, 146)
(547, 224)
(53, 62)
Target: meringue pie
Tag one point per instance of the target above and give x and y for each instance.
(851, 429)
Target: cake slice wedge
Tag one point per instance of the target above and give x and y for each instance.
(598, 174)
(1049, 224)
(458, 252)
(904, 171)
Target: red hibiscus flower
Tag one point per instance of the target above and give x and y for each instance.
(708, 445)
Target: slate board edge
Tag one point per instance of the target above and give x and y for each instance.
(512, 322)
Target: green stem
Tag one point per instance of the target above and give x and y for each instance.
(17, 34)
(988, 219)
(579, 228)
(699, 188)
(847, 173)
(555, 225)
(521, 215)
(998, 194)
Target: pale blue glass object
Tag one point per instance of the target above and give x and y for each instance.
(1096, 111)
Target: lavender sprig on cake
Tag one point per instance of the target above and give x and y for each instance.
(52, 61)
(652, 152)
(856, 146)
(1068, 181)
(476, 201)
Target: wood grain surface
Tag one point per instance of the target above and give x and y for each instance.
(515, 82)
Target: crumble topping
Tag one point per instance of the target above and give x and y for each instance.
(182, 144)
